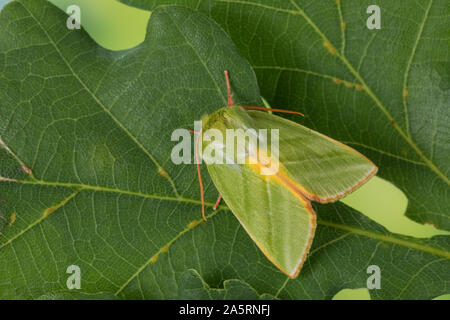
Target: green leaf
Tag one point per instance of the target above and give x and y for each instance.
(384, 92)
(86, 173)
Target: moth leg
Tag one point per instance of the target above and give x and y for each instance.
(230, 98)
(217, 202)
(200, 181)
(274, 110)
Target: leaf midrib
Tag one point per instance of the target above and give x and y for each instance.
(82, 186)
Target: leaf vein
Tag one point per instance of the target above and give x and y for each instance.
(408, 66)
(38, 221)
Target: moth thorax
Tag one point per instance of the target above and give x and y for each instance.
(242, 146)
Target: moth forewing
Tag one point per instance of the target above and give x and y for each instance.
(324, 169)
(214, 150)
(279, 220)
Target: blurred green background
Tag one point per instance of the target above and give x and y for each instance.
(118, 27)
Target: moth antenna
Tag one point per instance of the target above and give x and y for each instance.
(217, 202)
(200, 177)
(274, 110)
(230, 98)
(231, 103)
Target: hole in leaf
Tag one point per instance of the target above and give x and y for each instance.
(386, 204)
(352, 294)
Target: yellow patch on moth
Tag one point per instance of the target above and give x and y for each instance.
(405, 93)
(12, 219)
(330, 47)
(282, 178)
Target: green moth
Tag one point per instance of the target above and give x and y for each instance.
(270, 192)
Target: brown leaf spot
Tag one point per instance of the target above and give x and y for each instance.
(163, 172)
(193, 224)
(165, 248)
(26, 169)
(50, 210)
(349, 84)
(12, 219)
(430, 223)
(358, 87)
(330, 47)
(405, 93)
(337, 81)
(154, 258)
(343, 26)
